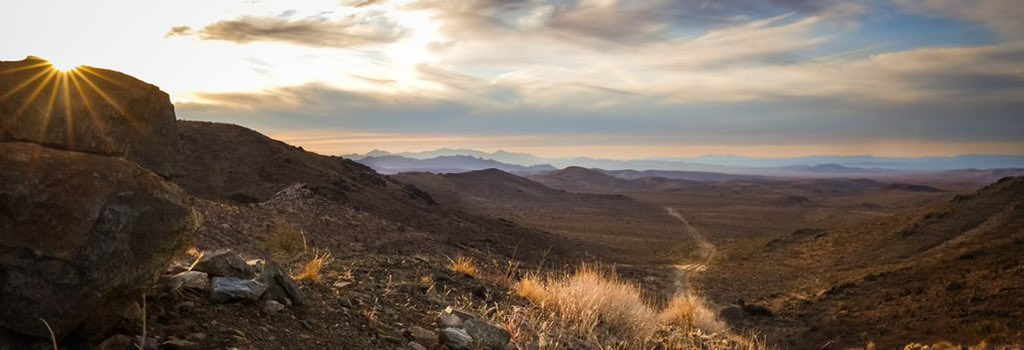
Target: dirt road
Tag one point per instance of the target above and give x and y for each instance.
(706, 252)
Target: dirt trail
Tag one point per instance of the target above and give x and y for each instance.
(706, 252)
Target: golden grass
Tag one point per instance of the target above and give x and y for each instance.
(465, 266)
(311, 270)
(691, 311)
(593, 308)
(590, 306)
(532, 289)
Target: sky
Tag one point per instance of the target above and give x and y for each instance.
(599, 78)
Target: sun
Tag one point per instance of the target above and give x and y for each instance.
(63, 65)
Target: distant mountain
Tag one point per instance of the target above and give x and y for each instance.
(700, 176)
(499, 155)
(796, 166)
(895, 163)
(392, 164)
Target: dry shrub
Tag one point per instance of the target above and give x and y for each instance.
(691, 311)
(465, 266)
(592, 306)
(532, 289)
(311, 270)
(285, 241)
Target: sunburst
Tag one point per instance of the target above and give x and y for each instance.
(63, 66)
(60, 87)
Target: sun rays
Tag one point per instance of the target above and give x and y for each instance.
(57, 95)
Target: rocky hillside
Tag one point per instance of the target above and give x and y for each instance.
(236, 169)
(950, 272)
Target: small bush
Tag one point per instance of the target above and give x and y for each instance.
(690, 311)
(465, 266)
(591, 306)
(531, 288)
(311, 270)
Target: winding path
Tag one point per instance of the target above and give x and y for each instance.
(706, 252)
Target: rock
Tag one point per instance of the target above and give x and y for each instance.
(224, 263)
(184, 307)
(82, 236)
(118, 342)
(226, 289)
(491, 336)
(99, 111)
(272, 307)
(446, 320)
(196, 337)
(148, 344)
(415, 346)
(464, 315)
(456, 339)
(339, 285)
(280, 286)
(731, 314)
(194, 280)
(179, 344)
(345, 302)
(423, 336)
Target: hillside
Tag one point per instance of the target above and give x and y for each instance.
(611, 226)
(581, 179)
(951, 271)
(236, 166)
(496, 188)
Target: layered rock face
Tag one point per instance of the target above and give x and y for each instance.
(86, 220)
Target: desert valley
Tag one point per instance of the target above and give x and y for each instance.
(133, 228)
(512, 175)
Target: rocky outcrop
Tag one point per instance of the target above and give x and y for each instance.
(81, 235)
(87, 220)
(88, 109)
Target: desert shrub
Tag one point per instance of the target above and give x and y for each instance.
(588, 305)
(531, 288)
(310, 271)
(691, 311)
(465, 266)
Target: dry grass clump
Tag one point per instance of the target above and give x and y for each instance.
(531, 288)
(691, 311)
(465, 266)
(591, 306)
(311, 270)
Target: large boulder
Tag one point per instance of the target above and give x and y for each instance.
(81, 235)
(88, 109)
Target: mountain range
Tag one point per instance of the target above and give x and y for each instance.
(731, 163)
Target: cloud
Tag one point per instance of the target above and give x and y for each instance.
(361, 29)
(178, 31)
(1003, 16)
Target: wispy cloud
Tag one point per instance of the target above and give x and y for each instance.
(362, 29)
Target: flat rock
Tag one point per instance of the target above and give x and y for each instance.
(456, 339)
(491, 336)
(227, 289)
(224, 263)
(195, 280)
(423, 336)
(93, 110)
